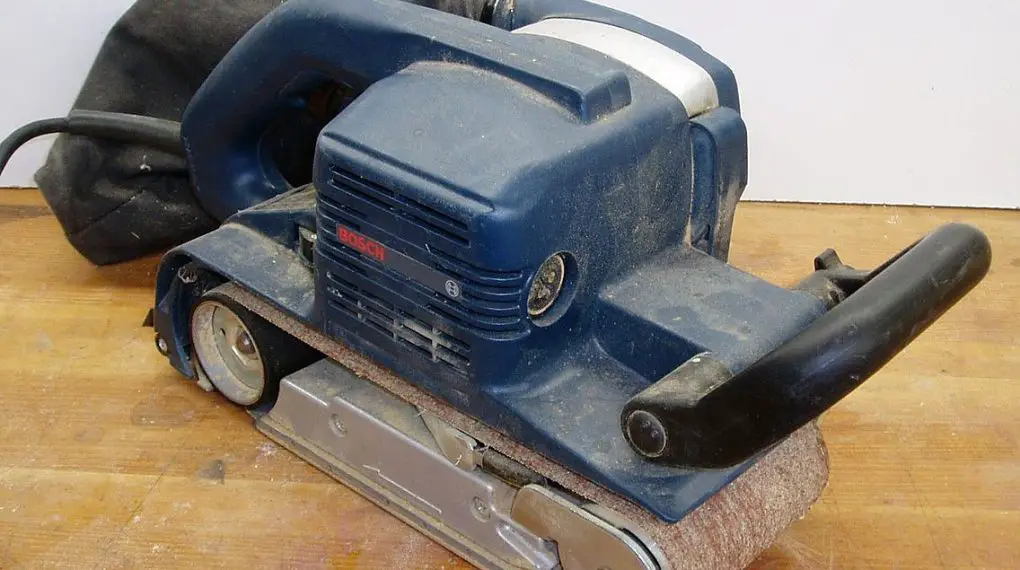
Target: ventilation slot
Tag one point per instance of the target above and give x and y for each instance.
(342, 209)
(407, 330)
(423, 216)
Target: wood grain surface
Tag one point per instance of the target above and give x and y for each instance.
(109, 460)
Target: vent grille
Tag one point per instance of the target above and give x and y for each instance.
(367, 293)
(474, 309)
(409, 209)
(405, 329)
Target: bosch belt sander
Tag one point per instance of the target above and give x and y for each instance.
(508, 318)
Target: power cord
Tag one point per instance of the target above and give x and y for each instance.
(149, 131)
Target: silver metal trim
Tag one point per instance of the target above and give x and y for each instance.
(460, 448)
(584, 541)
(679, 75)
(622, 523)
(315, 408)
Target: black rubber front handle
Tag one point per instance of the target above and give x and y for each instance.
(701, 416)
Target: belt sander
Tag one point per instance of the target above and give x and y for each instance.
(508, 318)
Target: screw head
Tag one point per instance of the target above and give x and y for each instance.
(244, 344)
(337, 426)
(480, 509)
(162, 346)
(646, 433)
(187, 275)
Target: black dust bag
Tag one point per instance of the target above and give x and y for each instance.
(118, 201)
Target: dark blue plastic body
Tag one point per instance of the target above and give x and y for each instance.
(471, 156)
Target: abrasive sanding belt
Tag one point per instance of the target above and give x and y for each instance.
(119, 201)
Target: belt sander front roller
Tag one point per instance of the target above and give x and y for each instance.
(494, 298)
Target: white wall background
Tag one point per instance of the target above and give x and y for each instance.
(895, 101)
(47, 47)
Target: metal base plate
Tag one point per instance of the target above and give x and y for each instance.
(377, 494)
(403, 460)
(379, 445)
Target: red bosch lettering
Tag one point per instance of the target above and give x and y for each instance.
(361, 243)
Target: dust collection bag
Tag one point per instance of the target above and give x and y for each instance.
(118, 201)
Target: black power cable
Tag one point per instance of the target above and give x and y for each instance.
(149, 131)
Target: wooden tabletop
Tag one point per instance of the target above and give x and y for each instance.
(109, 460)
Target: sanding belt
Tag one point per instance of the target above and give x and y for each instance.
(729, 530)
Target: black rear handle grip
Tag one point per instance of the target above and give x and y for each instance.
(702, 416)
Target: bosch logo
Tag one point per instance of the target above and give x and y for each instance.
(453, 288)
(400, 263)
(361, 243)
